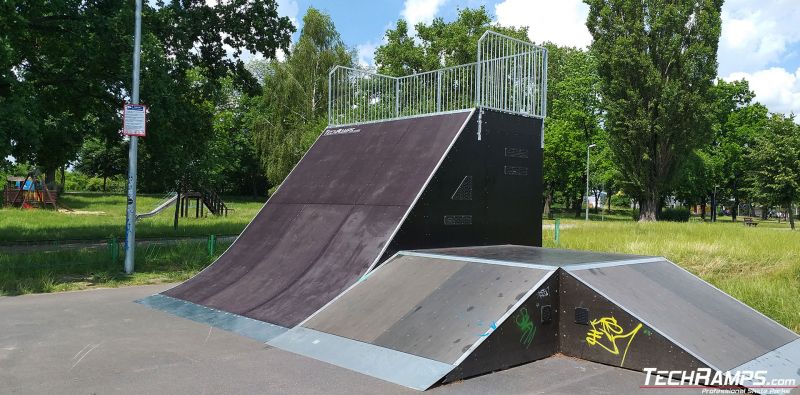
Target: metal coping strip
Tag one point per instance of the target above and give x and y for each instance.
(604, 264)
(427, 114)
(505, 316)
(384, 363)
(736, 300)
(780, 363)
(568, 267)
(245, 326)
(421, 190)
(636, 316)
(477, 260)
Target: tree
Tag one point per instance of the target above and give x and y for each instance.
(67, 67)
(104, 159)
(292, 111)
(438, 44)
(776, 161)
(657, 62)
(573, 124)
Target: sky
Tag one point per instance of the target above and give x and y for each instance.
(760, 38)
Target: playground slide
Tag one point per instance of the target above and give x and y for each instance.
(168, 202)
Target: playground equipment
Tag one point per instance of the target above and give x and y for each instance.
(168, 201)
(435, 161)
(29, 192)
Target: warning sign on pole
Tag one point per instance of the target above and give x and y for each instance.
(133, 120)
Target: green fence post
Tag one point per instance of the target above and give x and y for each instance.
(557, 229)
(113, 247)
(212, 244)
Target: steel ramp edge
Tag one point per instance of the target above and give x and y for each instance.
(245, 326)
(386, 364)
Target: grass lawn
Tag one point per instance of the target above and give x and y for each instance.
(71, 270)
(98, 216)
(759, 266)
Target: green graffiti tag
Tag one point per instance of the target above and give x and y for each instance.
(525, 326)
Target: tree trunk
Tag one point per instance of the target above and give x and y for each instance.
(104, 183)
(764, 212)
(50, 176)
(703, 207)
(579, 206)
(63, 177)
(649, 206)
(548, 199)
(735, 210)
(791, 216)
(597, 201)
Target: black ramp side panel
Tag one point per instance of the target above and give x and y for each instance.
(705, 321)
(328, 221)
(593, 328)
(529, 333)
(433, 308)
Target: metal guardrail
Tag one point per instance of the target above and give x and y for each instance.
(510, 75)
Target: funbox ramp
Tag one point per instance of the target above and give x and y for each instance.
(433, 316)
(360, 194)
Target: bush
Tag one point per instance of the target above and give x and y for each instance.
(675, 215)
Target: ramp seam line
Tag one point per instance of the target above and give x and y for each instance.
(478, 260)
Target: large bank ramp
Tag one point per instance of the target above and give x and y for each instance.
(360, 194)
(441, 315)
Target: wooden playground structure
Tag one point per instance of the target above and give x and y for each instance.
(29, 192)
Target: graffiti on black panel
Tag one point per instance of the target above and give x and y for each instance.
(525, 325)
(609, 335)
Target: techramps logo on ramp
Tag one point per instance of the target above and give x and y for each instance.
(717, 382)
(334, 132)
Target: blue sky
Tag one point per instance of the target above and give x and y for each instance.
(760, 39)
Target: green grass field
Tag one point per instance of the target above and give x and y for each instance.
(97, 216)
(760, 266)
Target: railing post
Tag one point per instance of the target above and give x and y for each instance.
(478, 86)
(330, 88)
(439, 91)
(397, 97)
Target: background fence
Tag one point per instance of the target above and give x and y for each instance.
(510, 75)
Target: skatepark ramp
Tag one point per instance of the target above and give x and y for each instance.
(433, 316)
(441, 159)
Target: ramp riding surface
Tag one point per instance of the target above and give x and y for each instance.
(327, 223)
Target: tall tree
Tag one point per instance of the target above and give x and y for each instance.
(657, 61)
(292, 111)
(776, 159)
(573, 124)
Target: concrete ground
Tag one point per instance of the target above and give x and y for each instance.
(101, 342)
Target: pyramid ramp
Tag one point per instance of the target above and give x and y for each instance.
(406, 321)
(360, 194)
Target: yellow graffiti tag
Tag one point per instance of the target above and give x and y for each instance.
(605, 332)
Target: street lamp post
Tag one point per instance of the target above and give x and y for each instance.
(587, 178)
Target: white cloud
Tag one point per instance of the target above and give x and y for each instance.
(416, 11)
(562, 22)
(775, 88)
(756, 34)
(366, 54)
(289, 8)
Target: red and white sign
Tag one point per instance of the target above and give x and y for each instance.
(134, 120)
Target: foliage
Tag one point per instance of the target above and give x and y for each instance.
(656, 62)
(438, 44)
(75, 181)
(776, 161)
(65, 71)
(675, 215)
(102, 159)
(292, 111)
